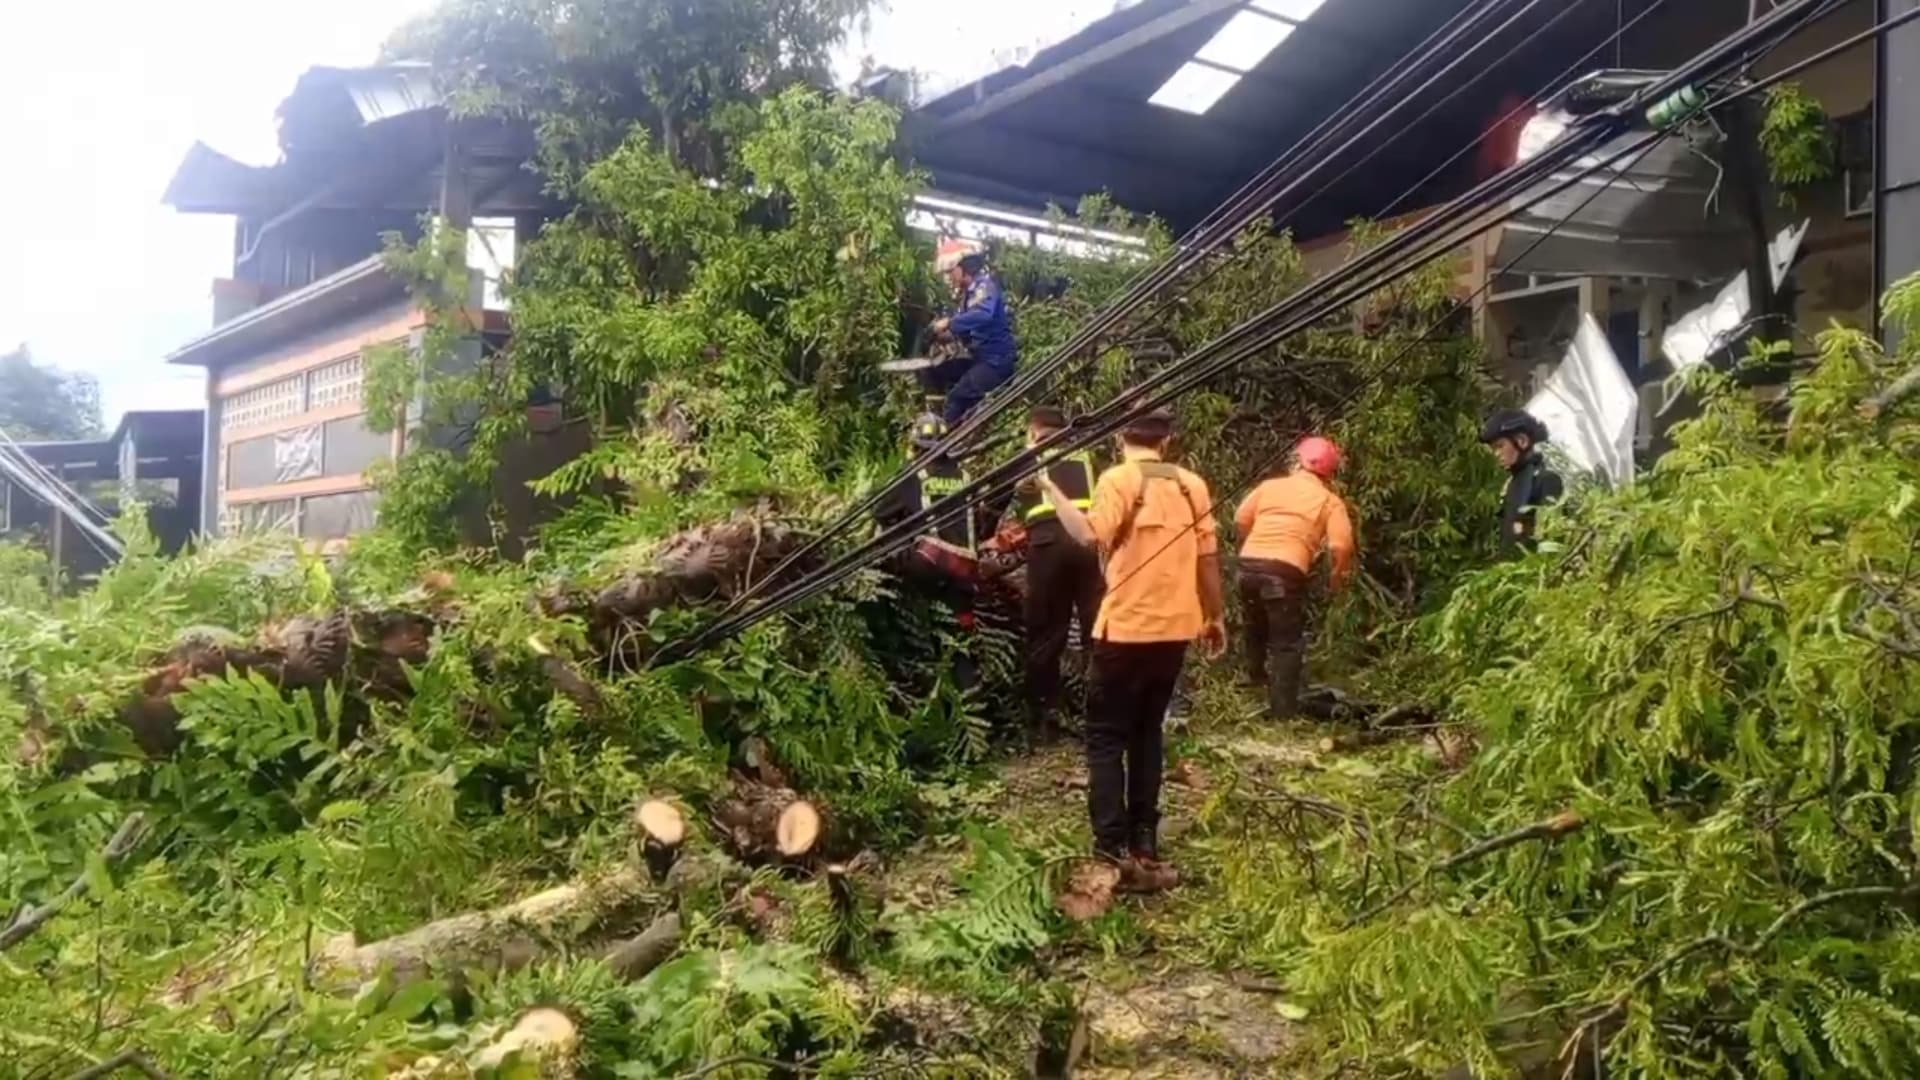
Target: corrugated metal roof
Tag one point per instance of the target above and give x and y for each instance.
(380, 93)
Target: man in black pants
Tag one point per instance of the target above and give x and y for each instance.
(1063, 578)
(1154, 522)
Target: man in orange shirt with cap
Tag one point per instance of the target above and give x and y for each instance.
(1153, 522)
(1284, 523)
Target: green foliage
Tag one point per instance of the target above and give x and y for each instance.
(1709, 668)
(25, 575)
(38, 402)
(1797, 138)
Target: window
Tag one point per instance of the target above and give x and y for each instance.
(1248, 38)
(271, 516)
(490, 252)
(336, 517)
(349, 448)
(1856, 163)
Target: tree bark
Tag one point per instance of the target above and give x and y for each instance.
(504, 938)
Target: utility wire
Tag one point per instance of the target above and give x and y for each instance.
(1639, 150)
(1249, 336)
(1240, 211)
(1259, 332)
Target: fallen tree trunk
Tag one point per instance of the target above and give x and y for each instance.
(503, 939)
(369, 652)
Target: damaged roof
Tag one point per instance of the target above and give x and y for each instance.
(370, 137)
(1080, 118)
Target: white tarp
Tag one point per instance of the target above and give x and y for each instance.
(1704, 330)
(1590, 406)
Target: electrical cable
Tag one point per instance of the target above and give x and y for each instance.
(1703, 66)
(20, 468)
(1092, 428)
(34, 465)
(1255, 198)
(1643, 148)
(35, 477)
(1555, 82)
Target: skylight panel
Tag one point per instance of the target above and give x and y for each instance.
(1194, 88)
(1297, 10)
(1245, 41)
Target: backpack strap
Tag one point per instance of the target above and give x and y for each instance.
(1149, 472)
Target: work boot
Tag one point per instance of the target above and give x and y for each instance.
(1283, 688)
(1145, 844)
(1146, 876)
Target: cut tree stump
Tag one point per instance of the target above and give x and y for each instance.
(662, 829)
(760, 823)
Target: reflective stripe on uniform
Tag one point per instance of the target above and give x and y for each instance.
(1076, 482)
(933, 489)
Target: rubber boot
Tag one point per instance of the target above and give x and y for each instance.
(1283, 687)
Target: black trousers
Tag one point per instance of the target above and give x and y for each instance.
(1132, 684)
(1273, 601)
(1063, 580)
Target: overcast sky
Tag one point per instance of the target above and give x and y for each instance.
(98, 102)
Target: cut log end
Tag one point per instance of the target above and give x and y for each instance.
(661, 822)
(545, 1037)
(798, 830)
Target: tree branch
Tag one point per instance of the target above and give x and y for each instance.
(125, 1059)
(1896, 391)
(1553, 828)
(31, 919)
(1678, 955)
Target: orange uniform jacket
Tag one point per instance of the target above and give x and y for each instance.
(1154, 538)
(1290, 518)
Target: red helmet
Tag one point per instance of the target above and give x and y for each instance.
(1318, 456)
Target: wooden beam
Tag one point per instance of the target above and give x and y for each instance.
(1147, 33)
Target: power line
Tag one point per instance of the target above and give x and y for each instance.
(1258, 196)
(1412, 247)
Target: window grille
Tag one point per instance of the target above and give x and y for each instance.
(262, 404)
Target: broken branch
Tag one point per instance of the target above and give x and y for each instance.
(30, 920)
(1553, 828)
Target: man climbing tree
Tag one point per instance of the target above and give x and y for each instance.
(1516, 436)
(1284, 524)
(1063, 578)
(983, 325)
(1153, 523)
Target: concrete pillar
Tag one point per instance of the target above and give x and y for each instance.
(1897, 152)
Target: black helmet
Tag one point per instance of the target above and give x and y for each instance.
(1510, 422)
(973, 263)
(928, 430)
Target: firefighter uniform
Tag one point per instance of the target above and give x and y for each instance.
(944, 564)
(1064, 584)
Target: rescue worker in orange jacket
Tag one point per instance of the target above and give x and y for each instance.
(1284, 524)
(1153, 522)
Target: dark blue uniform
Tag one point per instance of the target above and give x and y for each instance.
(984, 324)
